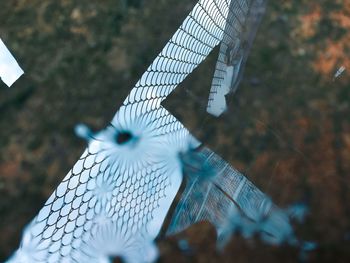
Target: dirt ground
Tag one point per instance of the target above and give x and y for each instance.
(287, 128)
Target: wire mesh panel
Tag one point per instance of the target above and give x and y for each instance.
(240, 29)
(114, 200)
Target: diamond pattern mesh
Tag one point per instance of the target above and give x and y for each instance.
(114, 200)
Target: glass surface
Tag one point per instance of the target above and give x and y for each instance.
(286, 126)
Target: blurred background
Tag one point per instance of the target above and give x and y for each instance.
(287, 128)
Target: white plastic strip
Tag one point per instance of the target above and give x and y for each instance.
(10, 71)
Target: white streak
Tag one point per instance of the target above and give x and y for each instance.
(339, 72)
(10, 71)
